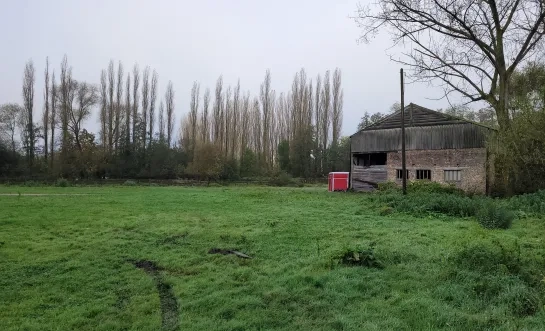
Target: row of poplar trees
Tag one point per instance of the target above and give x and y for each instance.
(226, 133)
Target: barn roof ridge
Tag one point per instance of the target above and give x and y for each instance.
(435, 118)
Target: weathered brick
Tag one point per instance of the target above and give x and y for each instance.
(471, 162)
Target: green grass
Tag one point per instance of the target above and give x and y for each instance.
(68, 262)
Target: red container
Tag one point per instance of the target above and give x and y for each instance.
(338, 181)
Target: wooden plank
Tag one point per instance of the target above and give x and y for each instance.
(456, 136)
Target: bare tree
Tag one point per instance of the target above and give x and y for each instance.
(28, 101)
(193, 112)
(169, 100)
(204, 117)
(86, 97)
(128, 110)
(162, 122)
(145, 105)
(245, 125)
(257, 129)
(45, 118)
(184, 131)
(318, 125)
(65, 89)
(469, 47)
(9, 117)
(135, 101)
(265, 93)
(53, 117)
(153, 98)
(325, 121)
(216, 116)
(235, 120)
(104, 111)
(337, 106)
(118, 104)
(225, 118)
(111, 106)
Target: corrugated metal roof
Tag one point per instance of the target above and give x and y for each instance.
(416, 115)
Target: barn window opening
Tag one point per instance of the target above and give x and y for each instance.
(370, 159)
(423, 174)
(399, 174)
(453, 175)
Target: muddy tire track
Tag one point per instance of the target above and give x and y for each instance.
(170, 318)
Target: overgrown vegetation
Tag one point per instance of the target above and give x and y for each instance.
(491, 216)
(430, 198)
(360, 257)
(62, 182)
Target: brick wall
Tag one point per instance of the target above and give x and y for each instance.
(471, 162)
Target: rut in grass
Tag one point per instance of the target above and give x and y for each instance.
(169, 305)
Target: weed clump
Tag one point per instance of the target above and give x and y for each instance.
(358, 257)
(530, 203)
(62, 182)
(388, 187)
(495, 217)
(422, 186)
(422, 203)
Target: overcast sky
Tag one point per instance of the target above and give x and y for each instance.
(188, 41)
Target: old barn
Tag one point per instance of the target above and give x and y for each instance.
(439, 148)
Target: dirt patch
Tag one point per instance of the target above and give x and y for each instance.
(148, 266)
(170, 318)
(227, 252)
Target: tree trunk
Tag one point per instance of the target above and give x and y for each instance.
(501, 106)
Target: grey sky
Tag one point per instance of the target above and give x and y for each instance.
(188, 41)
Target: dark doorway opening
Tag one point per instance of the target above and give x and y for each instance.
(370, 159)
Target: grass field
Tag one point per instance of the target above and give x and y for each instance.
(138, 258)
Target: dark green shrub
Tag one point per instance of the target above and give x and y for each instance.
(531, 203)
(130, 183)
(281, 179)
(230, 170)
(432, 187)
(491, 216)
(358, 257)
(422, 203)
(62, 182)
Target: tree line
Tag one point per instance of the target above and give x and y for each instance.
(226, 133)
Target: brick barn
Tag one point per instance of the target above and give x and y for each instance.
(439, 147)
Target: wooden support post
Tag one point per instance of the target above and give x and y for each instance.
(403, 159)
